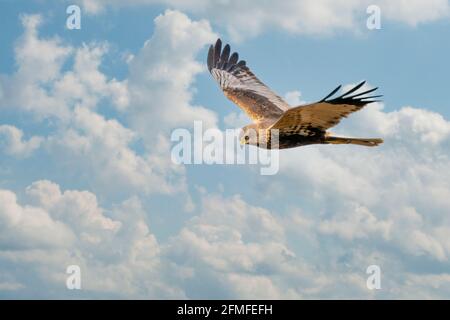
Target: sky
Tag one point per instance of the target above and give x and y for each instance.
(87, 178)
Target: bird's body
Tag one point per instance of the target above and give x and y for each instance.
(277, 125)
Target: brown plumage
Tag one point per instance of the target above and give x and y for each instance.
(296, 126)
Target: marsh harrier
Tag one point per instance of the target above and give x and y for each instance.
(294, 126)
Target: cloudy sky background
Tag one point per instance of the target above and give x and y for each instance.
(86, 176)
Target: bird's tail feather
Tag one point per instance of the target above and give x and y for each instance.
(358, 141)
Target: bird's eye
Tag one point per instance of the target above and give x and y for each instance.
(247, 138)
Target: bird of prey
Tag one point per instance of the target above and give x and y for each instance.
(295, 126)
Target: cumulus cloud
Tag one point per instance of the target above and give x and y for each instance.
(229, 249)
(394, 194)
(117, 253)
(358, 223)
(86, 85)
(337, 211)
(162, 74)
(42, 87)
(13, 143)
(39, 62)
(102, 149)
(245, 18)
(24, 226)
(416, 11)
(229, 241)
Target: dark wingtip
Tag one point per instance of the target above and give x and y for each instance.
(210, 57)
(350, 97)
(361, 84)
(224, 56)
(232, 61)
(218, 45)
(362, 93)
(331, 93)
(221, 58)
(217, 51)
(371, 97)
(353, 89)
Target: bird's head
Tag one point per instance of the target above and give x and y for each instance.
(249, 135)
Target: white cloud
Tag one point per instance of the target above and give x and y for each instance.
(243, 18)
(359, 223)
(426, 286)
(84, 85)
(39, 62)
(25, 226)
(293, 98)
(40, 85)
(101, 149)
(156, 98)
(12, 142)
(416, 11)
(117, 253)
(162, 74)
(383, 205)
(79, 209)
(394, 194)
(231, 240)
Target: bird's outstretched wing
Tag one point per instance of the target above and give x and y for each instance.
(241, 86)
(326, 113)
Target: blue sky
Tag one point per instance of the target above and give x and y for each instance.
(86, 176)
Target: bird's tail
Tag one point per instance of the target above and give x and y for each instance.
(358, 141)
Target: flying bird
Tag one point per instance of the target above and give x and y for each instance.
(294, 126)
